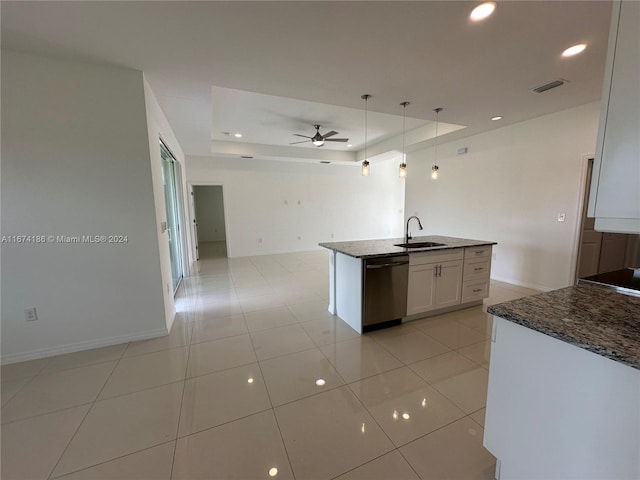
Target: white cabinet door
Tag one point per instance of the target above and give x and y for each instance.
(421, 293)
(448, 284)
(615, 185)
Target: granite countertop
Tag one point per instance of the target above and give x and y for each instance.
(596, 319)
(386, 247)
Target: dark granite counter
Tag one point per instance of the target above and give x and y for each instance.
(599, 320)
(386, 247)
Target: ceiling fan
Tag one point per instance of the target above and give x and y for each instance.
(318, 139)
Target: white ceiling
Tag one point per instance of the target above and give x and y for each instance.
(271, 69)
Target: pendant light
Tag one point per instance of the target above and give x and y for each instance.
(365, 162)
(435, 168)
(403, 163)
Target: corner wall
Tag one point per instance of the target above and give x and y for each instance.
(510, 188)
(75, 161)
(158, 128)
(275, 207)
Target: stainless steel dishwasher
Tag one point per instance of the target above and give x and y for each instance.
(385, 289)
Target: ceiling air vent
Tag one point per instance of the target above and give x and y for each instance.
(550, 85)
(246, 156)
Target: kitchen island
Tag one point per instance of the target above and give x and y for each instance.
(564, 385)
(434, 274)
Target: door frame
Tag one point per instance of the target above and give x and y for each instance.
(225, 209)
(581, 208)
(180, 210)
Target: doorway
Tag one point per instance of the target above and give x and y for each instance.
(600, 252)
(209, 222)
(171, 181)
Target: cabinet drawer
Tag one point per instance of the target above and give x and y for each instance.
(474, 252)
(477, 268)
(475, 291)
(423, 258)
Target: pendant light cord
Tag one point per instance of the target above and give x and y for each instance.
(404, 118)
(366, 101)
(437, 110)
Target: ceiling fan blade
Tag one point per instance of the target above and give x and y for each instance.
(330, 134)
(303, 141)
(336, 139)
(305, 136)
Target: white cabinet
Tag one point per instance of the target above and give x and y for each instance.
(435, 280)
(557, 411)
(477, 270)
(615, 185)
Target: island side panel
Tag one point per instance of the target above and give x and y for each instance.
(348, 290)
(558, 411)
(332, 282)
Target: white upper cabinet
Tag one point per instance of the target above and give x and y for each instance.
(615, 185)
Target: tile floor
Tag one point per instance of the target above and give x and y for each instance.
(258, 380)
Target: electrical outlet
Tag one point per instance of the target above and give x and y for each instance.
(332, 235)
(561, 217)
(30, 314)
(259, 240)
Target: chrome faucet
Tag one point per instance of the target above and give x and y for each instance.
(407, 237)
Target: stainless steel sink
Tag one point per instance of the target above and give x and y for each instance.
(419, 245)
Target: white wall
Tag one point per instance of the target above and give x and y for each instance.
(76, 162)
(510, 188)
(158, 127)
(210, 213)
(335, 202)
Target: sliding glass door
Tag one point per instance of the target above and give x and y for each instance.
(171, 179)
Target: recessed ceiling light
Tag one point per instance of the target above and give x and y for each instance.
(497, 117)
(320, 382)
(574, 50)
(482, 11)
(349, 145)
(237, 135)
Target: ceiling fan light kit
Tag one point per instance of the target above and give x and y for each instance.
(318, 139)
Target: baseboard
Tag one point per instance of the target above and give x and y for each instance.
(440, 311)
(76, 347)
(534, 286)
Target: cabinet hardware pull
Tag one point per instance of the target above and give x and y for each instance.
(478, 252)
(478, 268)
(477, 290)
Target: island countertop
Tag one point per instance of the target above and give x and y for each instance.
(596, 319)
(387, 247)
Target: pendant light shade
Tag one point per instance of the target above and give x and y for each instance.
(403, 164)
(365, 168)
(365, 162)
(435, 169)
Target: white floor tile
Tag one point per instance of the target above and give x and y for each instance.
(244, 449)
(123, 425)
(329, 433)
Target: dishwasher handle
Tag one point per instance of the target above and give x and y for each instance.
(385, 265)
